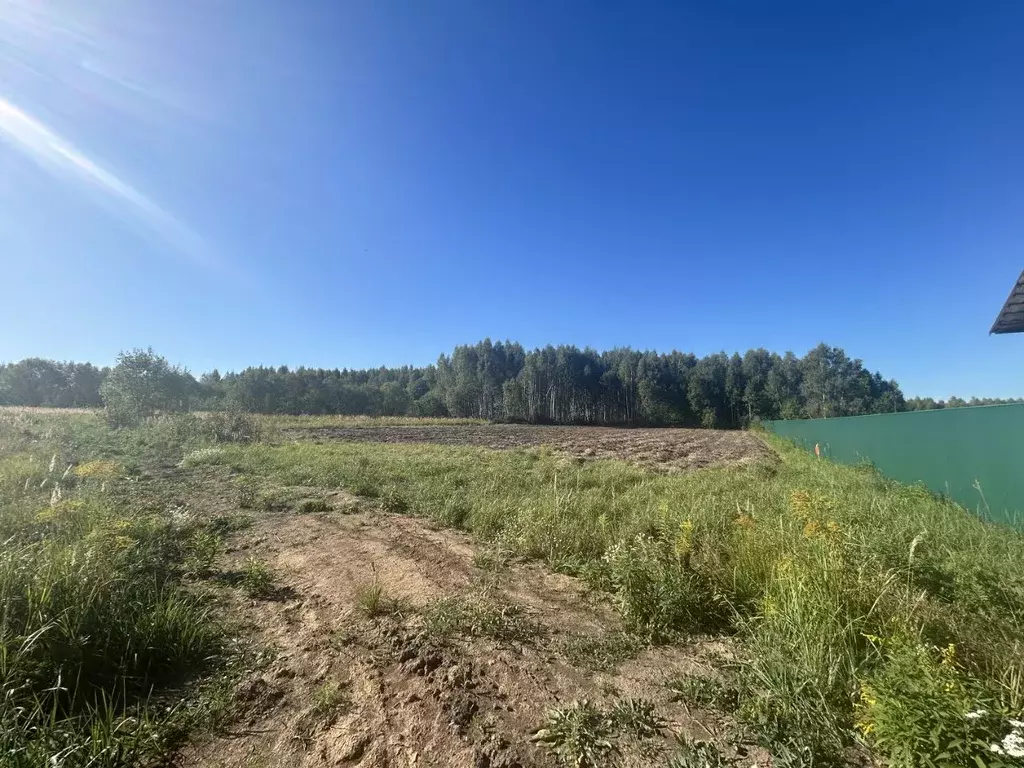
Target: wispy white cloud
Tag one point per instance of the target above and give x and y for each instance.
(58, 156)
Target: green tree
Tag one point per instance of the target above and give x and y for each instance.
(142, 384)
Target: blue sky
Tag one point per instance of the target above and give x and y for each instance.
(364, 183)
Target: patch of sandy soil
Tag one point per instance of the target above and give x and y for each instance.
(660, 448)
(406, 697)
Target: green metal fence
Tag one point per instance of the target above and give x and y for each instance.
(973, 455)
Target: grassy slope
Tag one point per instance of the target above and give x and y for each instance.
(864, 607)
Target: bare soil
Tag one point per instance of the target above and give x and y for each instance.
(403, 696)
(670, 449)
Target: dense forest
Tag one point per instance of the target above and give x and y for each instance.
(503, 381)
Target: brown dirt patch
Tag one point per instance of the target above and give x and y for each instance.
(661, 448)
(348, 689)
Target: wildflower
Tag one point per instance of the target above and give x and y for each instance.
(833, 526)
(811, 528)
(99, 468)
(745, 521)
(1012, 745)
(800, 502)
(1017, 724)
(976, 714)
(867, 696)
(685, 539)
(949, 656)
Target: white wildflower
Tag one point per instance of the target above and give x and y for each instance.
(976, 714)
(1017, 724)
(1013, 744)
(997, 749)
(53, 463)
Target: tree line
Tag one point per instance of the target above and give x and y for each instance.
(497, 381)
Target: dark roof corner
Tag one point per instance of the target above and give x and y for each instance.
(1011, 318)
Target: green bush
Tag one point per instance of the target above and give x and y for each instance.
(141, 384)
(920, 709)
(658, 594)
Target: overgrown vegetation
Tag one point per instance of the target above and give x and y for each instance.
(870, 617)
(99, 637)
(845, 590)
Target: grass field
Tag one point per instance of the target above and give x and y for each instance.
(856, 619)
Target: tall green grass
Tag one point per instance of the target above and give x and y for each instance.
(846, 591)
(96, 627)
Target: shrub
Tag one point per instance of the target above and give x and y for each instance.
(141, 384)
(233, 426)
(657, 594)
(920, 708)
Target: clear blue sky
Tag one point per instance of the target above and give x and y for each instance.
(361, 183)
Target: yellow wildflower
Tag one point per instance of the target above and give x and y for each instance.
(99, 468)
(949, 656)
(745, 521)
(800, 502)
(811, 528)
(684, 541)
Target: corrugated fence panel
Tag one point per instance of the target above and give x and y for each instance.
(951, 451)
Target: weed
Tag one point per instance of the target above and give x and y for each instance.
(313, 506)
(637, 718)
(330, 699)
(247, 495)
(584, 735)
(203, 549)
(580, 736)
(374, 600)
(697, 754)
(202, 457)
(391, 500)
(479, 615)
(272, 501)
(491, 561)
(600, 652)
(705, 692)
(257, 578)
